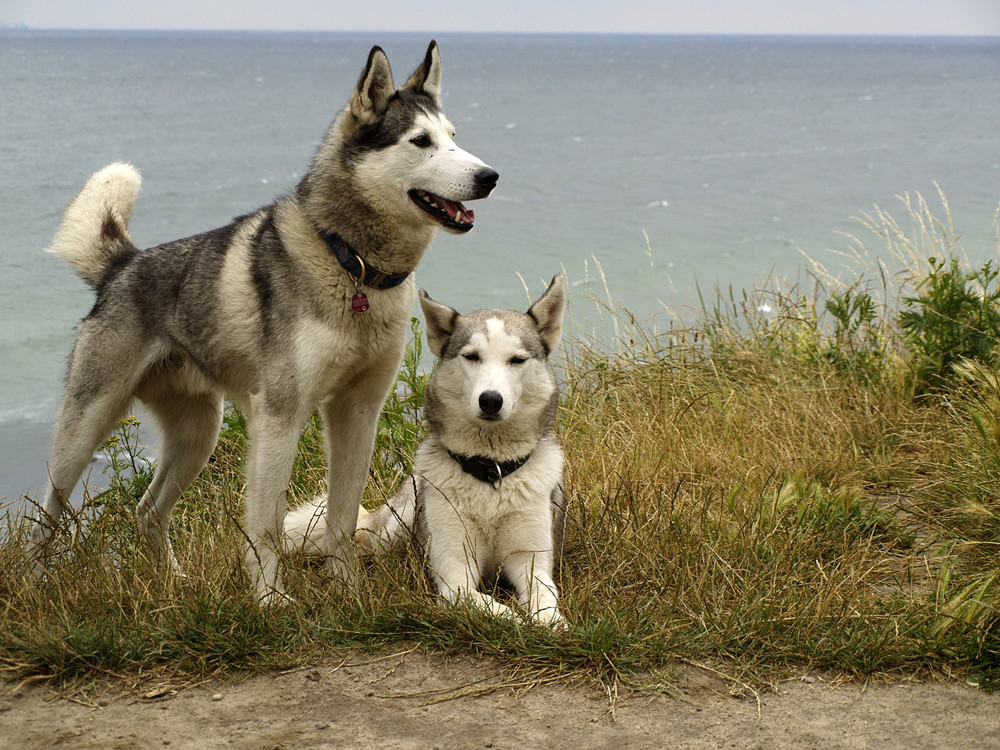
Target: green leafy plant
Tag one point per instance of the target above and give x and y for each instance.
(127, 466)
(858, 344)
(954, 316)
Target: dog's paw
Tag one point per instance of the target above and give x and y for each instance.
(276, 599)
(35, 570)
(368, 542)
(344, 566)
(551, 618)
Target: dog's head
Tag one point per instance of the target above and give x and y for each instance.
(401, 148)
(494, 365)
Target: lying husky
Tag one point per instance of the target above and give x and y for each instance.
(303, 302)
(485, 498)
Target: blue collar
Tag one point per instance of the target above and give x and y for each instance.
(357, 269)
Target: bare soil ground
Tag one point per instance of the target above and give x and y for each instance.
(406, 699)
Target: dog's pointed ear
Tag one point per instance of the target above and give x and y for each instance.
(440, 321)
(375, 87)
(427, 78)
(547, 312)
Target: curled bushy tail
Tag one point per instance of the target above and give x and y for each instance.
(306, 530)
(94, 230)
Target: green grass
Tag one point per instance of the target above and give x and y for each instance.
(812, 488)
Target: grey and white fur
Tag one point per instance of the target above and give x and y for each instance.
(485, 499)
(260, 310)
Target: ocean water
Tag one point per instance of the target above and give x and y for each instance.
(669, 161)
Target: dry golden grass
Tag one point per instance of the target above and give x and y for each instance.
(752, 491)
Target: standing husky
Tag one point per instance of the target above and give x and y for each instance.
(303, 302)
(485, 498)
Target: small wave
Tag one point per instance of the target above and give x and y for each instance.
(758, 154)
(40, 413)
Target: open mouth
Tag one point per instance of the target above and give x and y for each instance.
(452, 215)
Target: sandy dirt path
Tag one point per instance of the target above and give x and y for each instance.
(409, 700)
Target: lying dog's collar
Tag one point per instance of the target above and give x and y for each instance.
(486, 469)
(360, 272)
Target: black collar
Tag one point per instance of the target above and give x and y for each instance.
(358, 270)
(486, 469)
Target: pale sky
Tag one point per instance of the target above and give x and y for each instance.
(903, 17)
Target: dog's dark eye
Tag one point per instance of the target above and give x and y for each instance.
(471, 357)
(518, 360)
(421, 141)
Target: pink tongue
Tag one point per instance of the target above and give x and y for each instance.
(453, 209)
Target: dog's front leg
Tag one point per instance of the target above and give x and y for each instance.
(274, 440)
(454, 559)
(536, 591)
(351, 423)
(458, 583)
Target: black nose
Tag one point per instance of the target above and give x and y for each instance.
(487, 178)
(491, 402)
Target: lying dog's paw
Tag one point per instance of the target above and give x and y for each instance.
(550, 617)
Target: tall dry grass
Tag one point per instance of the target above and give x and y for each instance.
(756, 491)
